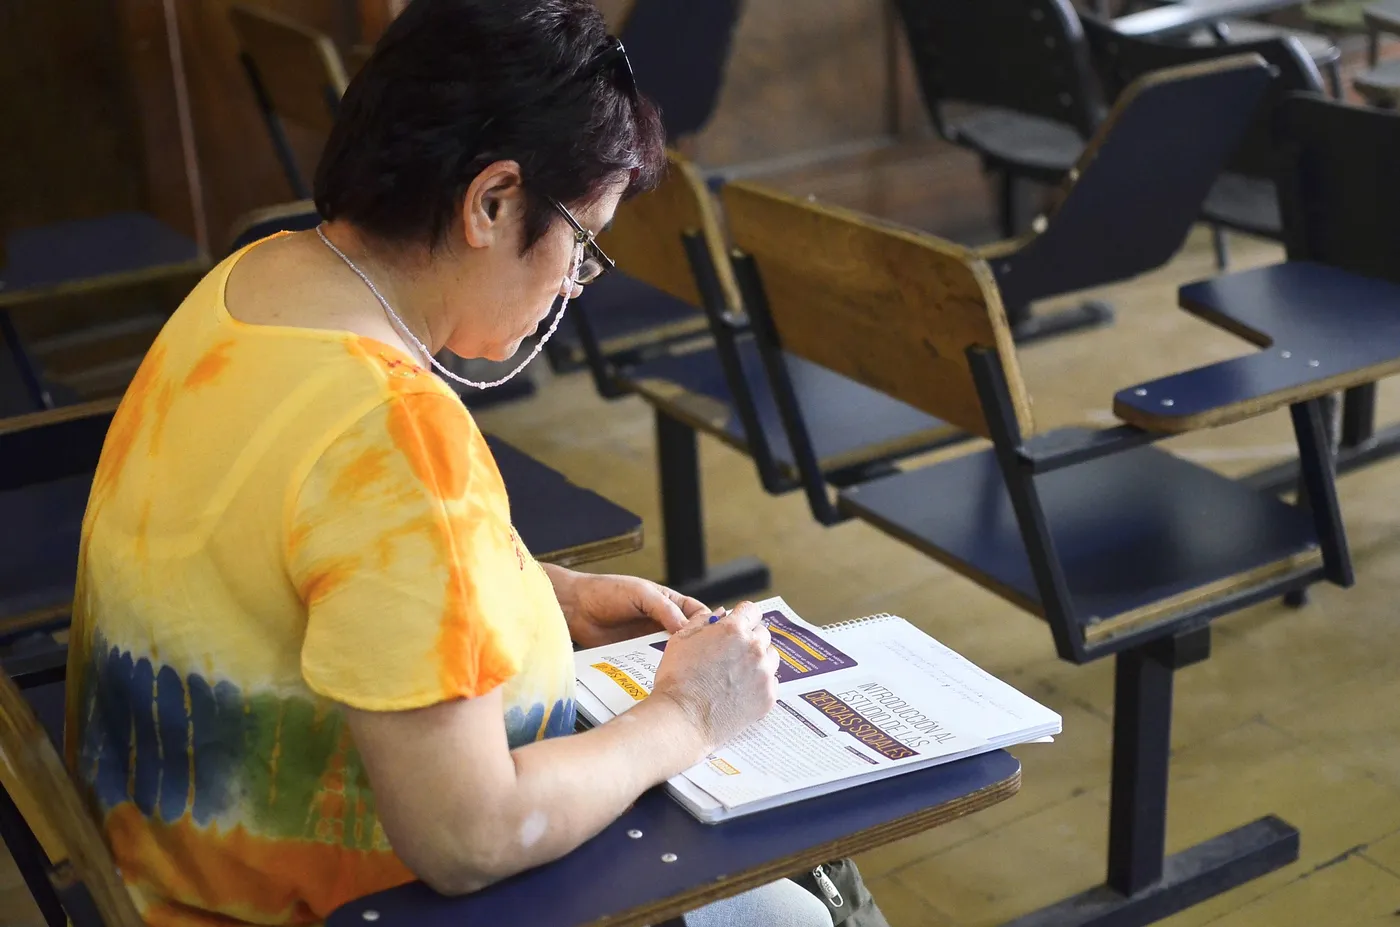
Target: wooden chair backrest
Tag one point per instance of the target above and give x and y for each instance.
(645, 238)
(894, 309)
(39, 784)
(299, 68)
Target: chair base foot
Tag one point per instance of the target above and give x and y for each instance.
(727, 582)
(1092, 314)
(1189, 877)
(1296, 598)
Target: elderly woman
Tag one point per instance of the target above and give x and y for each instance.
(311, 658)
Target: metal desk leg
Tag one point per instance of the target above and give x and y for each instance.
(684, 527)
(1145, 885)
(1333, 416)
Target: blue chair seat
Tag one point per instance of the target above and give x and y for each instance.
(39, 547)
(82, 252)
(850, 424)
(1136, 532)
(628, 315)
(1040, 146)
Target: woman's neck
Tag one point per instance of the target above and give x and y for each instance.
(407, 282)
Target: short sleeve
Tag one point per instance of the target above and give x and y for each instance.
(399, 545)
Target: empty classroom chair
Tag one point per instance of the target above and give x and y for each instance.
(1339, 192)
(1244, 198)
(1124, 549)
(1025, 70)
(671, 244)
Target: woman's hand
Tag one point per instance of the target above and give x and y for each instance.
(724, 675)
(604, 609)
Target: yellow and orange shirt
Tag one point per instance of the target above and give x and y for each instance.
(284, 521)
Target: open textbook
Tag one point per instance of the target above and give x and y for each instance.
(857, 701)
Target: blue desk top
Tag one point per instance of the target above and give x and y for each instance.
(1319, 326)
(558, 521)
(625, 881)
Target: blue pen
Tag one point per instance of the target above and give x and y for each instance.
(718, 615)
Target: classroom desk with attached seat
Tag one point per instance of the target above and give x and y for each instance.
(656, 862)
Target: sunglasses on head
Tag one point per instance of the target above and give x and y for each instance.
(615, 56)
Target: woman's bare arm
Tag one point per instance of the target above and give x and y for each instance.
(462, 810)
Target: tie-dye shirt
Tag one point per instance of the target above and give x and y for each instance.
(284, 521)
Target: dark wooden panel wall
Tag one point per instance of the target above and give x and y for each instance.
(69, 147)
(88, 128)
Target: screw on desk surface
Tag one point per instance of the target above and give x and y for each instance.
(668, 857)
(1285, 354)
(1139, 392)
(370, 915)
(634, 834)
(1313, 363)
(1168, 402)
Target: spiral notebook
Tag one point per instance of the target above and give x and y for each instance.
(857, 701)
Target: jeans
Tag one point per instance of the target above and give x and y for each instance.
(778, 904)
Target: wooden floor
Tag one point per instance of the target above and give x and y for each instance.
(1293, 715)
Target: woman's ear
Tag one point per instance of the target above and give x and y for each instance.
(493, 205)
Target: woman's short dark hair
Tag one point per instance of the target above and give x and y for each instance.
(454, 85)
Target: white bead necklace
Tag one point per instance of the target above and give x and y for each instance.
(394, 317)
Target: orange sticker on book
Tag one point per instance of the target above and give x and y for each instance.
(628, 684)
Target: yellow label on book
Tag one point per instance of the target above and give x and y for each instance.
(628, 684)
(719, 765)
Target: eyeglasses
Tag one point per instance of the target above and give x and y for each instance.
(595, 263)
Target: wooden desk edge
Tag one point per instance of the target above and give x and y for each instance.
(1254, 406)
(194, 268)
(596, 550)
(869, 839)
